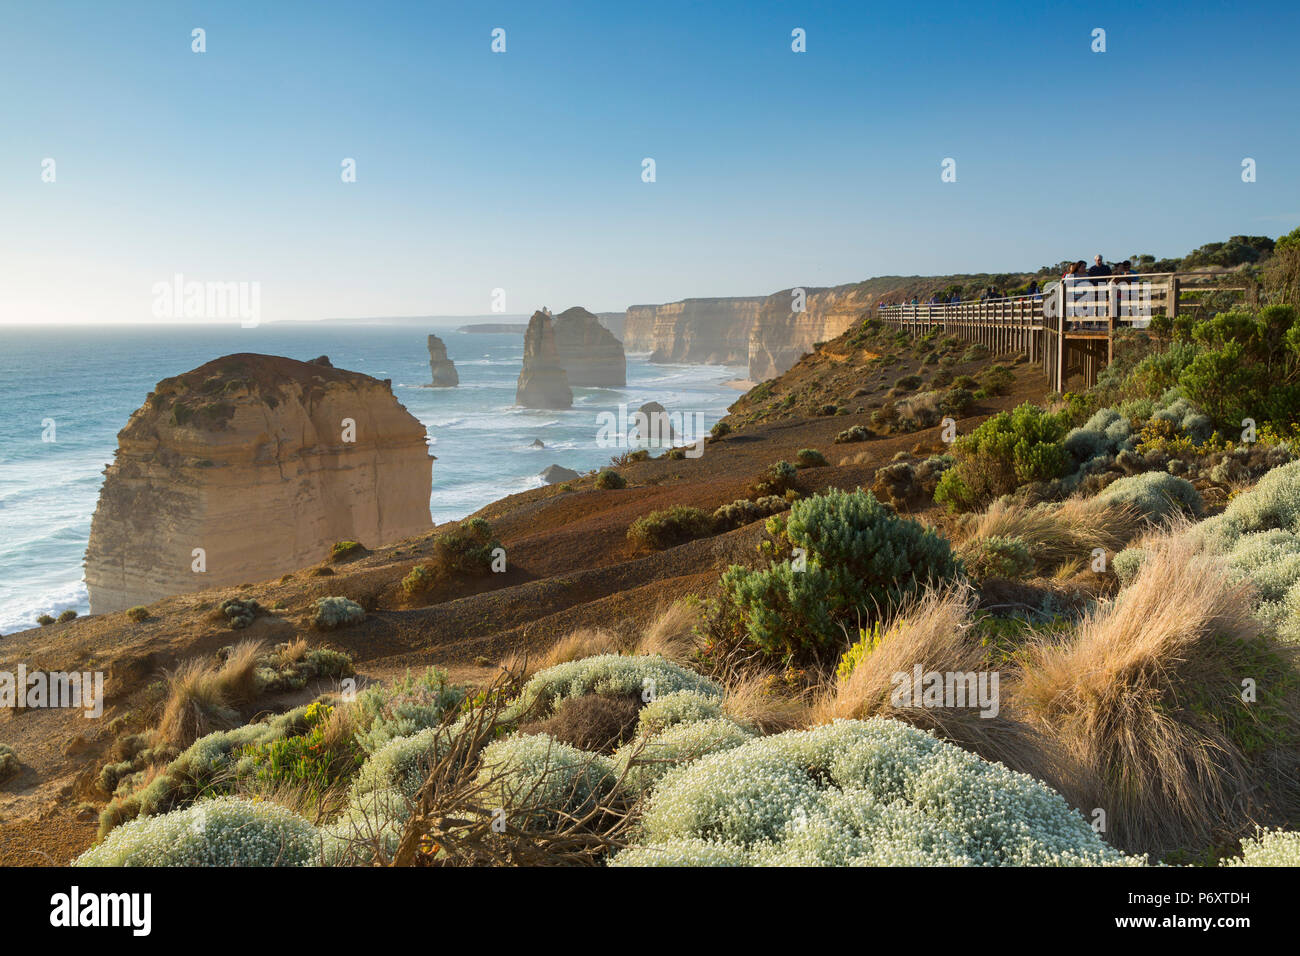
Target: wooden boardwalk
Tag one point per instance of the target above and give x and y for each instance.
(1070, 327)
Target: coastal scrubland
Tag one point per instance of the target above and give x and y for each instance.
(697, 660)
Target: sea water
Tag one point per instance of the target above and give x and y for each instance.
(79, 385)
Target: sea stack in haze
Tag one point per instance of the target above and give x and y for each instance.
(248, 467)
(542, 382)
(442, 368)
(589, 353)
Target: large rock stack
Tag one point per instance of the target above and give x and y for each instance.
(441, 367)
(589, 353)
(542, 381)
(248, 467)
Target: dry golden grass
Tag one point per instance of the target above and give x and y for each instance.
(935, 632)
(584, 642)
(672, 633)
(751, 701)
(1129, 701)
(202, 698)
(1055, 534)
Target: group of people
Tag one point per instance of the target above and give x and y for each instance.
(1099, 270)
(1078, 278)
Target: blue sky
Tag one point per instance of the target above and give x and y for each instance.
(522, 170)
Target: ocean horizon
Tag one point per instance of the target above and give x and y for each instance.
(87, 381)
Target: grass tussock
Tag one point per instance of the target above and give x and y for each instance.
(752, 701)
(1056, 535)
(202, 698)
(935, 632)
(672, 633)
(1144, 703)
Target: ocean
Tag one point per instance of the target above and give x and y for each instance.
(86, 382)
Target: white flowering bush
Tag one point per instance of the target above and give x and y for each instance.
(648, 675)
(875, 792)
(334, 612)
(401, 764)
(1128, 563)
(681, 707)
(225, 831)
(1268, 848)
(536, 771)
(1106, 433)
(1259, 535)
(644, 761)
(368, 830)
(1156, 494)
(404, 707)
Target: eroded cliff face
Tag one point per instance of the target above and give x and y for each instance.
(589, 353)
(706, 331)
(781, 335)
(440, 367)
(766, 333)
(542, 381)
(261, 463)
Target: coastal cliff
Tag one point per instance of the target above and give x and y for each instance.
(780, 336)
(707, 331)
(589, 353)
(765, 332)
(248, 467)
(542, 381)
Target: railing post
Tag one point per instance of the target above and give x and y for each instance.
(1171, 307)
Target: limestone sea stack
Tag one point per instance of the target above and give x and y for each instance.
(589, 353)
(248, 467)
(444, 371)
(542, 382)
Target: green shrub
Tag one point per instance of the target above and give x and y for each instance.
(868, 641)
(999, 557)
(468, 547)
(610, 479)
(862, 560)
(997, 379)
(332, 613)
(743, 511)
(670, 527)
(779, 478)
(343, 550)
(45, 620)
(908, 383)
(956, 401)
(68, 615)
(240, 613)
(854, 434)
(720, 429)
(306, 762)
(1156, 494)
(405, 707)
(138, 613)
(226, 831)
(873, 793)
(810, 458)
(421, 578)
(8, 763)
(1006, 451)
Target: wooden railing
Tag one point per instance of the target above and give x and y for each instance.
(1069, 327)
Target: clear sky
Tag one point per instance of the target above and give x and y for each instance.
(523, 170)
